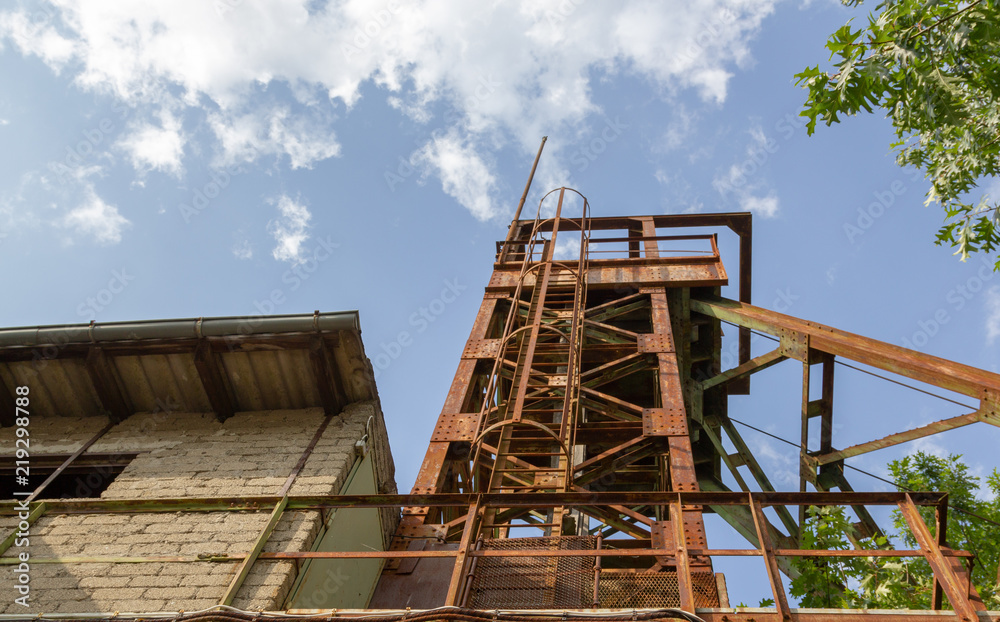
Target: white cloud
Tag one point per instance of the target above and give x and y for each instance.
(37, 38)
(992, 314)
(744, 181)
(97, 219)
(242, 250)
(290, 230)
(464, 175)
(243, 137)
(156, 147)
(678, 130)
(527, 68)
(568, 246)
(766, 207)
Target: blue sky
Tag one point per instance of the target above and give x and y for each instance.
(236, 157)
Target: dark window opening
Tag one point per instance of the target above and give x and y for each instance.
(86, 477)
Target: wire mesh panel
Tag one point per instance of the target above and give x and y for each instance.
(626, 590)
(534, 582)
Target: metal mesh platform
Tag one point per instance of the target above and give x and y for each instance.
(534, 582)
(624, 590)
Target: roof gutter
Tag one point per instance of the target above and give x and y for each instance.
(193, 328)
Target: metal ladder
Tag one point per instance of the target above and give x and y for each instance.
(528, 419)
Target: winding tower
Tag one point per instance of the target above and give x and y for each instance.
(586, 432)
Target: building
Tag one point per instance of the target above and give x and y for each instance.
(183, 421)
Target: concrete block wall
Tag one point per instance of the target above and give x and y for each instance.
(190, 455)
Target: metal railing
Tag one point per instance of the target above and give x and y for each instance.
(949, 575)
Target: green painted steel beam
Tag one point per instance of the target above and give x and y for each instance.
(33, 515)
(248, 561)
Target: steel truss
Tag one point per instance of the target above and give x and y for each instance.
(602, 374)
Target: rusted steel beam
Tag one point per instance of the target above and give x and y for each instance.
(432, 553)
(214, 381)
(610, 274)
(454, 595)
(517, 214)
(684, 587)
(617, 450)
(767, 549)
(825, 406)
(108, 385)
(650, 239)
(895, 439)
(750, 461)
(804, 475)
(68, 461)
(961, 595)
(500, 500)
(750, 367)
(755, 614)
(941, 522)
(916, 365)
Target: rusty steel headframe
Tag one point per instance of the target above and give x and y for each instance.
(599, 372)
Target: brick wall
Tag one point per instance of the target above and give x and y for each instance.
(189, 455)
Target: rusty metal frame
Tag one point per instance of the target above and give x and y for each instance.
(945, 562)
(503, 383)
(812, 343)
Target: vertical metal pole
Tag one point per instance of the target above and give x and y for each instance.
(826, 406)
(597, 575)
(804, 437)
(941, 520)
(458, 572)
(471, 575)
(524, 196)
(686, 591)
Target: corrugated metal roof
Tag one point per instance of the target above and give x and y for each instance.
(280, 369)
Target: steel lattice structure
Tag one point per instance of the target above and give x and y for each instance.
(591, 392)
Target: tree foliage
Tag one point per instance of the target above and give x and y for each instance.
(892, 583)
(934, 68)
